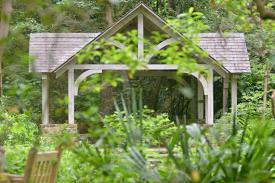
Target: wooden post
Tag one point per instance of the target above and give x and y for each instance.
(200, 101)
(234, 93)
(71, 96)
(225, 95)
(209, 99)
(193, 104)
(45, 99)
(140, 37)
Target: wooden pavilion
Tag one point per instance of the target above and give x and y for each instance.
(55, 53)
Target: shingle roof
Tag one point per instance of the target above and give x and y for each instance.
(229, 49)
(50, 50)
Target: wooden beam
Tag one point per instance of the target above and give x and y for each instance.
(45, 99)
(140, 37)
(156, 73)
(71, 96)
(158, 21)
(118, 67)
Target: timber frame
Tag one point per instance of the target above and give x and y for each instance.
(205, 85)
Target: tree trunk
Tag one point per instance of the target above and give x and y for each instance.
(265, 13)
(2, 159)
(106, 95)
(109, 14)
(171, 5)
(6, 9)
(273, 103)
(266, 76)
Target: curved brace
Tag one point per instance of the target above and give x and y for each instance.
(117, 44)
(203, 82)
(161, 45)
(165, 43)
(82, 77)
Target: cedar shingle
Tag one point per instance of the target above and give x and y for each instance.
(50, 50)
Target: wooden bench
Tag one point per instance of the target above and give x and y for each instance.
(41, 167)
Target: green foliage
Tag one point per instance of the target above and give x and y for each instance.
(89, 163)
(16, 157)
(17, 128)
(157, 129)
(247, 157)
(221, 130)
(194, 154)
(190, 23)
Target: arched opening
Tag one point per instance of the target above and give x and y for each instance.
(162, 92)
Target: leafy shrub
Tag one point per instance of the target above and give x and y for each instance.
(17, 129)
(89, 163)
(156, 129)
(16, 156)
(248, 157)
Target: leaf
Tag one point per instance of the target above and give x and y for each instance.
(191, 10)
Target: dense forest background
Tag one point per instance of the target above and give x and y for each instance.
(22, 90)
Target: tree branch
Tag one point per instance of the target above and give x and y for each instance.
(5, 12)
(264, 13)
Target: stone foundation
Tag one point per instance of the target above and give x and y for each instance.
(58, 128)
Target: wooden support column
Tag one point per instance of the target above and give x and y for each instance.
(71, 96)
(209, 99)
(225, 95)
(45, 99)
(140, 36)
(193, 104)
(234, 93)
(200, 101)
